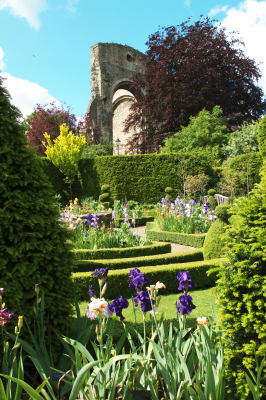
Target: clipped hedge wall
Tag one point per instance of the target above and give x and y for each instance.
(139, 221)
(185, 239)
(141, 251)
(137, 262)
(142, 178)
(118, 280)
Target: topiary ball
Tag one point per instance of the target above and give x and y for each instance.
(222, 212)
(211, 192)
(105, 188)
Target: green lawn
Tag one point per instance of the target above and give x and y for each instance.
(204, 300)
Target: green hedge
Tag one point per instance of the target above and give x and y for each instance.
(137, 262)
(141, 251)
(139, 221)
(174, 237)
(142, 178)
(118, 280)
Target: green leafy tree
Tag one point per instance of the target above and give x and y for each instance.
(262, 136)
(65, 152)
(34, 245)
(242, 286)
(207, 130)
(243, 140)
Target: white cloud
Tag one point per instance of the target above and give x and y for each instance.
(26, 95)
(29, 9)
(2, 63)
(71, 5)
(217, 10)
(187, 3)
(249, 19)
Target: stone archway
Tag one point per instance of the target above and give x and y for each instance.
(112, 67)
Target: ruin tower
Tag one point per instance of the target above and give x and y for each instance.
(112, 67)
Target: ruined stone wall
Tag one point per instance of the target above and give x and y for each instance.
(112, 67)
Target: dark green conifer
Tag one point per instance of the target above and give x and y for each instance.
(242, 287)
(34, 247)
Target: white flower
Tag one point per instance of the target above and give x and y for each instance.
(202, 321)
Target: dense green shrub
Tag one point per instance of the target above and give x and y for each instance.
(241, 174)
(213, 244)
(153, 249)
(211, 199)
(33, 244)
(262, 136)
(185, 239)
(141, 178)
(242, 286)
(118, 279)
(137, 262)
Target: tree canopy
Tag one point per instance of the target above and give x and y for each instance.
(65, 151)
(50, 117)
(187, 68)
(207, 130)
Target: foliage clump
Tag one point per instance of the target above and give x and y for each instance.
(242, 285)
(65, 151)
(211, 199)
(242, 140)
(34, 245)
(207, 130)
(214, 246)
(105, 196)
(262, 136)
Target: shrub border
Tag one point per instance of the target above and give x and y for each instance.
(154, 249)
(137, 262)
(185, 239)
(118, 279)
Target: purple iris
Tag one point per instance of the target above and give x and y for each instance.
(91, 291)
(193, 202)
(117, 305)
(101, 272)
(163, 201)
(137, 279)
(185, 281)
(92, 219)
(185, 305)
(144, 299)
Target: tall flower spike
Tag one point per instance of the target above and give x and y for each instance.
(185, 305)
(145, 301)
(102, 274)
(137, 279)
(117, 305)
(185, 281)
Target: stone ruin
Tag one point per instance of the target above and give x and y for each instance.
(112, 67)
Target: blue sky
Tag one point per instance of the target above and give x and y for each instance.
(45, 44)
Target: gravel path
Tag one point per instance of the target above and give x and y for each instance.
(175, 247)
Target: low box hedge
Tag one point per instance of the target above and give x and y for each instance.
(139, 221)
(137, 262)
(118, 280)
(185, 239)
(141, 251)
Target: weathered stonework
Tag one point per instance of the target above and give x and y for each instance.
(112, 67)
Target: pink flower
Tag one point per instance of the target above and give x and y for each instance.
(5, 317)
